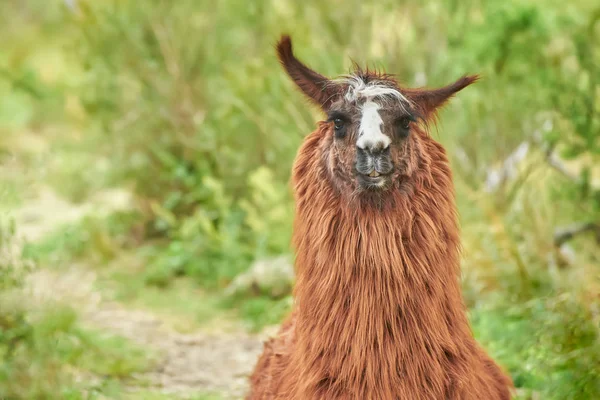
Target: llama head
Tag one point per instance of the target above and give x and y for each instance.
(375, 127)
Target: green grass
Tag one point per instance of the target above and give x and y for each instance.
(93, 238)
(182, 301)
(46, 354)
(46, 351)
(11, 194)
(260, 311)
(96, 243)
(186, 304)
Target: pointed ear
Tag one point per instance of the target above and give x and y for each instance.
(428, 101)
(315, 86)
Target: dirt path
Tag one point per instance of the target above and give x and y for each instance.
(188, 364)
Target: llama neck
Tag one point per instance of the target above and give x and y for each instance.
(374, 299)
(377, 288)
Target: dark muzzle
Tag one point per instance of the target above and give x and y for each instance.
(373, 163)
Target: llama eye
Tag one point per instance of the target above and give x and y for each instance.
(340, 122)
(339, 126)
(403, 126)
(404, 122)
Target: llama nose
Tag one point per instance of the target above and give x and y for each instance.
(375, 148)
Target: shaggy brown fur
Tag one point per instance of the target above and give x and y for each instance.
(379, 312)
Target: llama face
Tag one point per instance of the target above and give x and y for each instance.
(371, 126)
(375, 143)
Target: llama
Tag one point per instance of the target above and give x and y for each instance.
(378, 308)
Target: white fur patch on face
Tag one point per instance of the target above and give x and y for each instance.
(370, 135)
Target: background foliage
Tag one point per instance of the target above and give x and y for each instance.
(184, 104)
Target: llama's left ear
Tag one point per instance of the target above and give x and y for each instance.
(428, 101)
(315, 86)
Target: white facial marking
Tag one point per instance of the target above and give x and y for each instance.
(369, 131)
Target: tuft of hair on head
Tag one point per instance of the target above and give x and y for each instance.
(369, 84)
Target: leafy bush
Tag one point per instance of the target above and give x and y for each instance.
(550, 345)
(221, 238)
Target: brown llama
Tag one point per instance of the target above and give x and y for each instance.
(378, 306)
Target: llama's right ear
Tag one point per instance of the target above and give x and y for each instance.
(315, 86)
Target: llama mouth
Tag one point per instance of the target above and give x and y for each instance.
(374, 180)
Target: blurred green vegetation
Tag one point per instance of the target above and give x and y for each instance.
(45, 351)
(184, 104)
